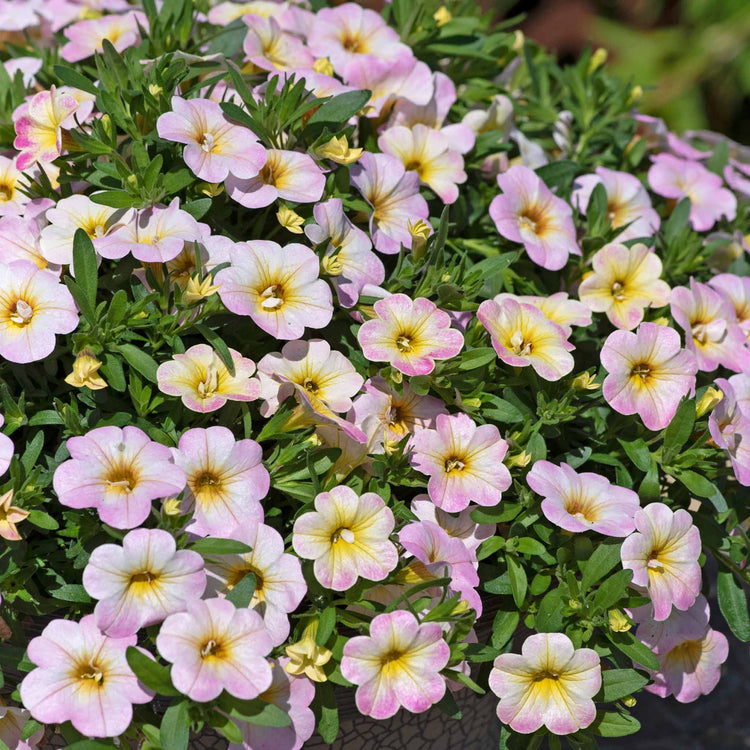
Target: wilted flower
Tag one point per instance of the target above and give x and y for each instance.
(10, 515)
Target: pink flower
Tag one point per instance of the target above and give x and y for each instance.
(203, 382)
(579, 502)
(348, 259)
(529, 213)
(734, 288)
(278, 287)
(270, 48)
(29, 67)
(648, 373)
(347, 537)
(628, 204)
(225, 480)
(676, 178)
(387, 416)
(464, 462)
(82, 676)
(557, 307)
(6, 449)
(624, 282)
(118, 471)
(291, 694)
(410, 334)
(522, 335)
(12, 199)
(289, 175)
(663, 555)
(13, 721)
(142, 582)
(86, 37)
(19, 240)
(348, 31)
(428, 153)
(397, 665)
(711, 329)
(214, 145)
(311, 365)
(34, 308)
(215, 647)
(729, 424)
(661, 636)
(459, 526)
(279, 584)
(394, 196)
(550, 683)
(432, 546)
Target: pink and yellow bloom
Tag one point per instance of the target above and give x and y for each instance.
(226, 480)
(557, 307)
(87, 37)
(624, 282)
(663, 554)
(34, 308)
(410, 334)
(347, 537)
(729, 424)
(203, 382)
(269, 47)
(278, 287)
(19, 240)
(464, 462)
(397, 665)
(214, 647)
(550, 683)
(737, 290)
(214, 146)
(458, 526)
(6, 449)
(118, 471)
(82, 676)
(10, 515)
(528, 212)
(12, 199)
(522, 335)
(582, 502)
(648, 373)
(141, 582)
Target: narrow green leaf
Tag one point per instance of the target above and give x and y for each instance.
(150, 672)
(617, 683)
(638, 453)
(477, 358)
(144, 363)
(605, 557)
(702, 487)
(613, 589)
(71, 592)
(326, 624)
(219, 546)
(634, 649)
(679, 429)
(733, 604)
(549, 618)
(503, 627)
(242, 592)
(175, 727)
(340, 108)
(115, 199)
(218, 344)
(75, 79)
(327, 711)
(518, 581)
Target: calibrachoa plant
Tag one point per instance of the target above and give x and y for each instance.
(346, 351)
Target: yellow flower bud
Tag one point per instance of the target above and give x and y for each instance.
(661, 321)
(636, 95)
(618, 623)
(597, 60)
(85, 372)
(711, 398)
(461, 607)
(196, 290)
(154, 89)
(337, 149)
(171, 506)
(323, 65)
(442, 16)
(584, 382)
(520, 459)
(420, 230)
(212, 189)
(629, 701)
(306, 657)
(290, 220)
(330, 265)
(519, 40)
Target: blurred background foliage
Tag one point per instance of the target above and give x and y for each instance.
(692, 57)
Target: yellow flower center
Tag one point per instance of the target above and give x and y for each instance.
(21, 313)
(579, 508)
(210, 383)
(6, 192)
(91, 671)
(121, 478)
(310, 385)
(618, 290)
(642, 371)
(404, 343)
(520, 345)
(342, 533)
(207, 142)
(687, 654)
(211, 648)
(272, 297)
(352, 43)
(454, 464)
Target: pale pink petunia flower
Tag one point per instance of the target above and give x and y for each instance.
(118, 471)
(6, 449)
(624, 282)
(628, 204)
(550, 683)
(213, 647)
(141, 582)
(557, 307)
(12, 200)
(397, 665)
(648, 373)
(463, 461)
(522, 335)
(278, 287)
(279, 583)
(394, 196)
(676, 179)
(441, 555)
(712, 333)
(729, 424)
(82, 676)
(311, 365)
(348, 260)
(347, 537)
(293, 695)
(459, 526)
(87, 37)
(223, 13)
(202, 380)
(581, 502)
(269, 47)
(13, 722)
(34, 308)
(214, 146)
(734, 288)
(528, 212)
(226, 479)
(29, 67)
(737, 176)
(410, 334)
(289, 175)
(663, 554)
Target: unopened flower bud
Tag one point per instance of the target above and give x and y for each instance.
(597, 60)
(442, 16)
(584, 382)
(290, 220)
(711, 398)
(338, 150)
(420, 230)
(661, 321)
(461, 607)
(574, 604)
(171, 507)
(518, 41)
(306, 657)
(636, 95)
(211, 189)
(629, 701)
(330, 265)
(154, 89)
(323, 65)
(196, 290)
(519, 460)
(618, 623)
(85, 372)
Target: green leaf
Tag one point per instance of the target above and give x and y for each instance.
(614, 724)
(255, 711)
(503, 627)
(175, 727)
(340, 108)
(501, 410)
(115, 199)
(84, 265)
(33, 449)
(198, 208)
(477, 358)
(549, 618)
(638, 453)
(242, 592)
(617, 683)
(219, 546)
(518, 581)
(75, 79)
(733, 604)
(90, 745)
(613, 589)
(602, 560)
(327, 711)
(71, 592)
(218, 344)
(634, 649)
(42, 520)
(326, 624)
(528, 546)
(150, 672)
(650, 488)
(679, 429)
(144, 363)
(29, 728)
(678, 220)
(700, 486)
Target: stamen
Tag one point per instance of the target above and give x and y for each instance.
(272, 297)
(22, 313)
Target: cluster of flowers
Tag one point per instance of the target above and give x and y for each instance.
(257, 575)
